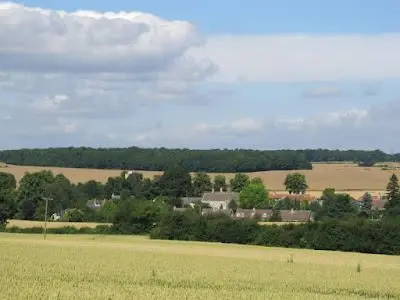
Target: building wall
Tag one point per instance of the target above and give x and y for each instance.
(217, 204)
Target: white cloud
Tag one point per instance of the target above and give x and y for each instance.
(36, 39)
(239, 126)
(350, 118)
(294, 57)
(322, 92)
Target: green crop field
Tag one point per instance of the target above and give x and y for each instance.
(127, 267)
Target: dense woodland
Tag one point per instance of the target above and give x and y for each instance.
(213, 160)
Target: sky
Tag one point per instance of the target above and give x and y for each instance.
(268, 74)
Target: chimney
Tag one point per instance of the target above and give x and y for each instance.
(220, 189)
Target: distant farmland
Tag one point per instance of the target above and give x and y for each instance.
(341, 176)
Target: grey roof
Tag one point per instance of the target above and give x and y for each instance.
(286, 215)
(209, 211)
(220, 196)
(187, 200)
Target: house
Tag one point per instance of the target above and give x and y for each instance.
(189, 200)
(94, 204)
(378, 202)
(264, 214)
(211, 211)
(219, 200)
(286, 215)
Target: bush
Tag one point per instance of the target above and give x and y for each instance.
(357, 235)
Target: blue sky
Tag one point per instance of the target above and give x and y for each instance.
(249, 74)
(258, 16)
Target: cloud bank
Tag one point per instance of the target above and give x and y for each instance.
(133, 78)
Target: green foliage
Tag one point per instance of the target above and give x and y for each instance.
(256, 180)
(232, 205)
(175, 182)
(74, 215)
(93, 189)
(288, 203)
(160, 159)
(220, 183)
(392, 206)
(137, 216)
(239, 181)
(7, 181)
(366, 205)
(31, 193)
(107, 211)
(7, 205)
(276, 216)
(392, 189)
(356, 235)
(335, 206)
(254, 195)
(201, 183)
(295, 183)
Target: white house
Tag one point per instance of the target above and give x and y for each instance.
(219, 200)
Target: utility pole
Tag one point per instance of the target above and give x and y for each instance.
(45, 217)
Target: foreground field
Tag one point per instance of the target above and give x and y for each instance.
(343, 177)
(111, 267)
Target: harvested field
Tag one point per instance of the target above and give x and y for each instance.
(128, 267)
(30, 224)
(343, 177)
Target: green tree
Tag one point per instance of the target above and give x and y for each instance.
(74, 215)
(7, 205)
(392, 189)
(366, 204)
(220, 183)
(232, 205)
(107, 211)
(296, 183)
(201, 183)
(7, 181)
(61, 193)
(256, 180)
(31, 193)
(239, 181)
(253, 196)
(114, 185)
(392, 206)
(335, 206)
(93, 189)
(134, 183)
(276, 215)
(175, 182)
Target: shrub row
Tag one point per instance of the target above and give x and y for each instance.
(381, 237)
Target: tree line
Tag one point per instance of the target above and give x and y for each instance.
(27, 201)
(146, 206)
(213, 160)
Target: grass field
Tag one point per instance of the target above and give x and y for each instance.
(344, 177)
(114, 267)
(30, 224)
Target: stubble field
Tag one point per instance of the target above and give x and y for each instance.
(343, 177)
(115, 267)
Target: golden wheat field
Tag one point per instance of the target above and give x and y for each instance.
(30, 224)
(343, 177)
(115, 267)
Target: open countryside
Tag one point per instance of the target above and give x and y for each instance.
(344, 177)
(111, 267)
